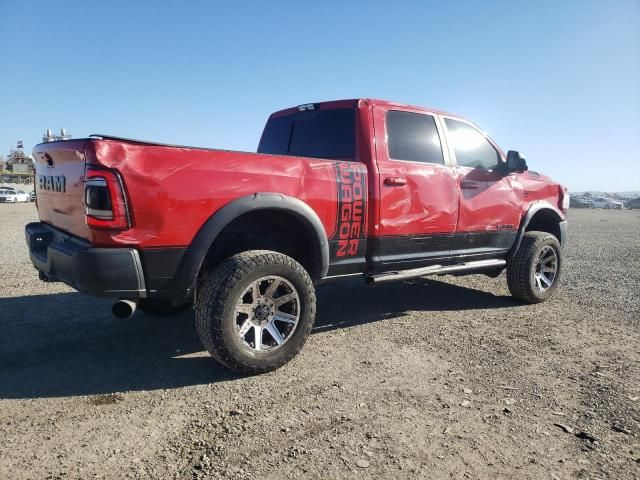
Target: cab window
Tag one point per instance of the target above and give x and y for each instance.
(413, 137)
(324, 133)
(471, 147)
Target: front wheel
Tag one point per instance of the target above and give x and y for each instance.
(533, 272)
(255, 311)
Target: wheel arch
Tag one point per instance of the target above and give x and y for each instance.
(545, 217)
(267, 202)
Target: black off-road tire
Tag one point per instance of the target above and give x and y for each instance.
(219, 293)
(159, 307)
(521, 268)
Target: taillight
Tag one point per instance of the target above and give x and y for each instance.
(104, 198)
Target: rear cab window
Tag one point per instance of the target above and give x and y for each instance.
(323, 133)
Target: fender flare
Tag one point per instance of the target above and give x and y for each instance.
(534, 208)
(259, 201)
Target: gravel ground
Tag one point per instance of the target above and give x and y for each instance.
(435, 378)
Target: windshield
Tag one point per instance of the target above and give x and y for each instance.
(315, 133)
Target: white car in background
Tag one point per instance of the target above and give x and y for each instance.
(607, 203)
(13, 196)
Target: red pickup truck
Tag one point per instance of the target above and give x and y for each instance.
(352, 187)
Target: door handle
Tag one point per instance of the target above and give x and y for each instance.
(395, 181)
(469, 186)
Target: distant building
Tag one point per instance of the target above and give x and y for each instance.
(18, 157)
(17, 161)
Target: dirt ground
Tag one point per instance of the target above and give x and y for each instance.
(438, 378)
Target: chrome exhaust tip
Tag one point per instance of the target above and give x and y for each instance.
(124, 308)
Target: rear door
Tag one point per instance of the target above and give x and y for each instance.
(418, 188)
(490, 200)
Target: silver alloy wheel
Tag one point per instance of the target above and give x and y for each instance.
(267, 313)
(546, 268)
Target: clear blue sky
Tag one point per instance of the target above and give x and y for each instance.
(557, 80)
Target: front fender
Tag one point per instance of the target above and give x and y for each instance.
(534, 208)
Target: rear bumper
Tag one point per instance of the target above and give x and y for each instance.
(108, 272)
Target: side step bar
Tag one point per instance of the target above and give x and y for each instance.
(435, 270)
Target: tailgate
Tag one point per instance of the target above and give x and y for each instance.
(59, 185)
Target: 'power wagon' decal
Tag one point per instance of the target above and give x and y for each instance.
(352, 210)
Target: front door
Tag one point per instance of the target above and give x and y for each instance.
(490, 201)
(418, 204)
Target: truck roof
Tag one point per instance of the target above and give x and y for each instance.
(353, 102)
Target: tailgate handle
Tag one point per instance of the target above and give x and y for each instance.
(395, 181)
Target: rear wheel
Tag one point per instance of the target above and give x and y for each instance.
(255, 311)
(534, 271)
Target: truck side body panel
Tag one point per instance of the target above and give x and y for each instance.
(173, 191)
(537, 187)
(378, 213)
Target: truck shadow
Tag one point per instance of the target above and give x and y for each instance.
(341, 306)
(68, 344)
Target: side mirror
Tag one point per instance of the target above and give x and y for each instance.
(516, 162)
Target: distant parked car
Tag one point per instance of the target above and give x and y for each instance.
(614, 206)
(580, 202)
(32, 195)
(607, 203)
(7, 188)
(13, 196)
